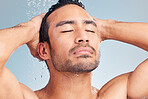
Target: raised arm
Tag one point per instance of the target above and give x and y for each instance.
(10, 40)
(135, 34)
(129, 32)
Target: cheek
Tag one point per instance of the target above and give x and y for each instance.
(98, 49)
(94, 39)
(95, 42)
(62, 45)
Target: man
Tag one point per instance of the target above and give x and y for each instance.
(70, 45)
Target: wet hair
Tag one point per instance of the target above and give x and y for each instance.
(44, 26)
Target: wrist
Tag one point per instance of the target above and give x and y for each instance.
(28, 30)
(107, 28)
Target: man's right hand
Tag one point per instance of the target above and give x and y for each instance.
(32, 44)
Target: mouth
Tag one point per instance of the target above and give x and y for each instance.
(83, 51)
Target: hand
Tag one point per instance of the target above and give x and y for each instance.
(32, 44)
(102, 26)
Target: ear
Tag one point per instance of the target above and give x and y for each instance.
(43, 50)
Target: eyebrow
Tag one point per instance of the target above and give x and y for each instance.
(90, 22)
(64, 22)
(73, 22)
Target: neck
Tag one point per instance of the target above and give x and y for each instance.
(68, 85)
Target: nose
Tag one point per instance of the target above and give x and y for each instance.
(81, 37)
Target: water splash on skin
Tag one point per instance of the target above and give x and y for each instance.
(77, 75)
(36, 7)
(93, 90)
(144, 97)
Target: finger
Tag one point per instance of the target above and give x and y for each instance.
(42, 15)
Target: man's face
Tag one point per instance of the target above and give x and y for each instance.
(75, 44)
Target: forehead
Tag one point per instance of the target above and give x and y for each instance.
(68, 12)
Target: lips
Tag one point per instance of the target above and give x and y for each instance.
(83, 50)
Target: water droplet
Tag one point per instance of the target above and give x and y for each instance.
(37, 7)
(77, 75)
(34, 78)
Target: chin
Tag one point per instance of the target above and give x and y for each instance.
(81, 66)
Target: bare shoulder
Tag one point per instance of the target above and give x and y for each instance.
(10, 88)
(115, 88)
(27, 92)
(41, 93)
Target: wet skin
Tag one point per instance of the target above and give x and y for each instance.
(69, 30)
(73, 37)
(69, 27)
(66, 31)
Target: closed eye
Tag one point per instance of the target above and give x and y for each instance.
(67, 31)
(90, 31)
